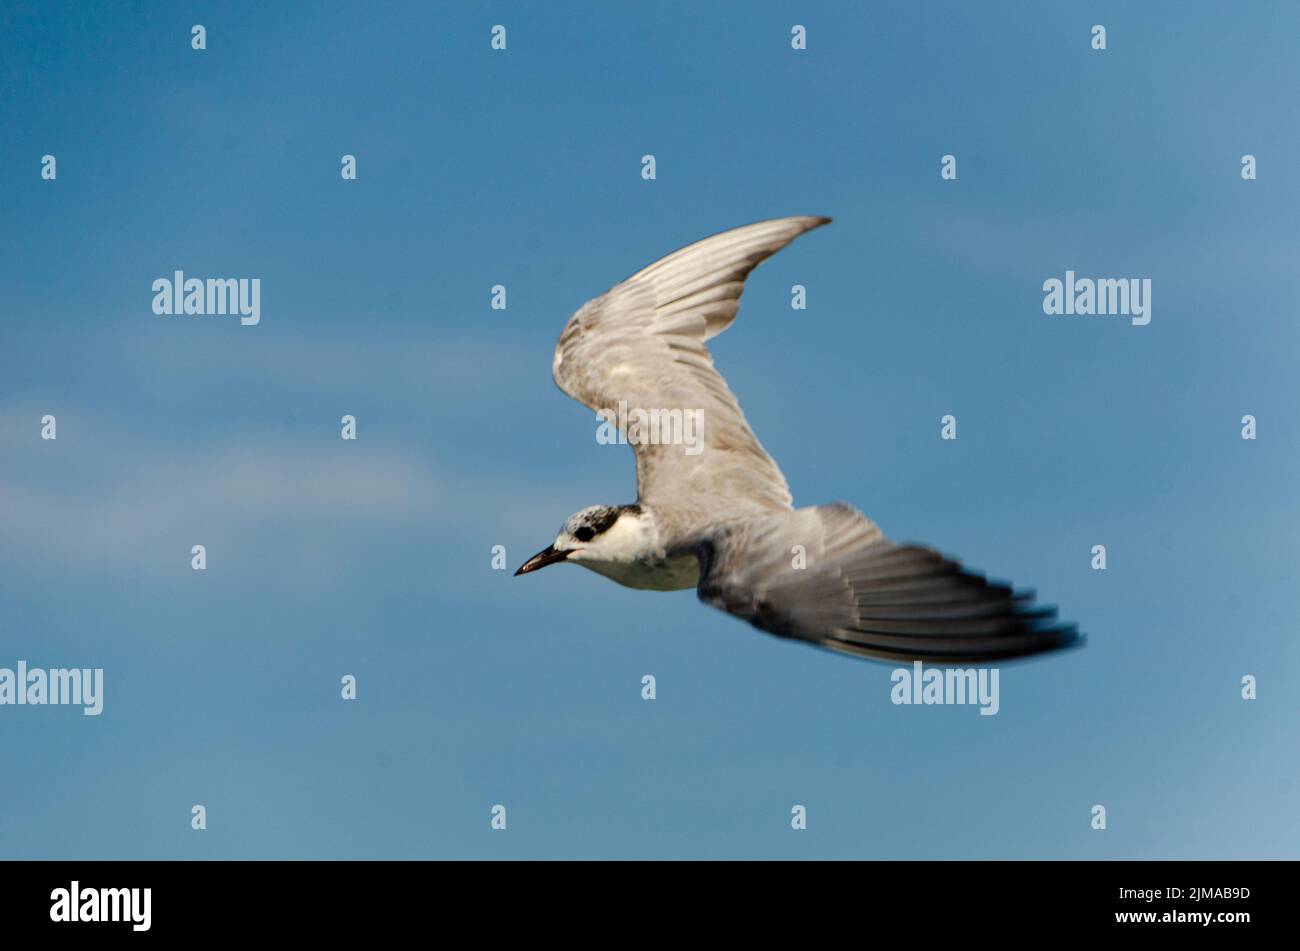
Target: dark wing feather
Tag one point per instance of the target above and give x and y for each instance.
(860, 593)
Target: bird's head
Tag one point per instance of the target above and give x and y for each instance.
(598, 533)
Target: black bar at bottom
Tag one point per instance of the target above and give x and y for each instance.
(333, 900)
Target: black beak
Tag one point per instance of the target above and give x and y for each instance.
(547, 556)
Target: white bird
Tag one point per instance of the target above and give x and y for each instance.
(718, 516)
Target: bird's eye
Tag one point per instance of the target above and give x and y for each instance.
(584, 534)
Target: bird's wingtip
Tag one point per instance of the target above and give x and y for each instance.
(804, 222)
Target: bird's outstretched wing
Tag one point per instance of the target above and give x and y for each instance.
(640, 347)
(828, 575)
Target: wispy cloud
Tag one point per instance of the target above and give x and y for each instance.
(115, 497)
(115, 500)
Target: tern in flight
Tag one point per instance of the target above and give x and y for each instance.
(718, 516)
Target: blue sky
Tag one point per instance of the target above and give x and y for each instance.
(523, 168)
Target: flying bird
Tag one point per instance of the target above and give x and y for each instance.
(718, 516)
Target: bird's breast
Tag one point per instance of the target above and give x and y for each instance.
(668, 574)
